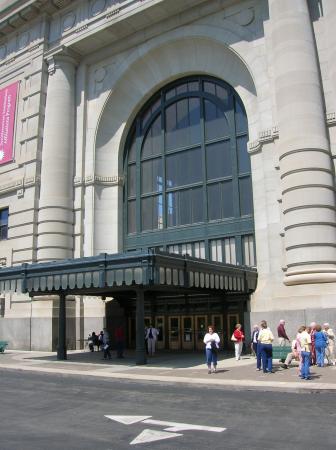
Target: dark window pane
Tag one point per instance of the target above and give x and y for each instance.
(151, 176)
(151, 213)
(183, 123)
(185, 207)
(214, 202)
(243, 157)
(240, 117)
(131, 180)
(219, 162)
(209, 87)
(216, 125)
(193, 86)
(245, 196)
(197, 205)
(153, 143)
(182, 88)
(132, 149)
(223, 94)
(152, 108)
(170, 94)
(131, 217)
(227, 199)
(184, 168)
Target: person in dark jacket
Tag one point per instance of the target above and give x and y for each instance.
(282, 335)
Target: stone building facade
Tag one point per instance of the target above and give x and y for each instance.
(88, 71)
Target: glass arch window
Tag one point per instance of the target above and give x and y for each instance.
(186, 164)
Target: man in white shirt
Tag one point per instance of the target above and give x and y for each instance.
(294, 354)
(151, 337)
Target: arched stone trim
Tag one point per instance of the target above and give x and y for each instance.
(138, 83)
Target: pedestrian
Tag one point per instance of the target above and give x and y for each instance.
(238, 338)
(265, 340)
(321, 342)
(101, 341)
(263, 322)
(119, 336)
(305, 345)
(312, 348)
(95, 340)
(254, 340)
(294, 354)
(211, 341)
(330, 350)
(282, 335)
(151, 336)
(90, 342)
(146, 340)
(106, 345)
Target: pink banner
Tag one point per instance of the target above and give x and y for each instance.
(8, 96)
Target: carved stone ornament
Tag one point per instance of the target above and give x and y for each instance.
(245, 17)
(23, 40)
(100, 74)
(3, 52)
(68, 21)
(97, 7)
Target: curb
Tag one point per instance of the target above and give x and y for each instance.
(279, 386)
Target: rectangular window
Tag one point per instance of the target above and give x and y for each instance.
(3, 224)
(230, 250)
(2, 307)
(248, 250)
(216, 250)
(245, 196)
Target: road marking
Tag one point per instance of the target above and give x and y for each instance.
(175, 426)
(153, 435)
(128, 420)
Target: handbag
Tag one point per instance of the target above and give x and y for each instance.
(233, 338)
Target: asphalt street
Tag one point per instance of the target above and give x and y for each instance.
(49, 412)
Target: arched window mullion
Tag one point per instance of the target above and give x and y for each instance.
(205, 189)
(138, 145)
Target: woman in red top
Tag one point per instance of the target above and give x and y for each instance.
(238, 343)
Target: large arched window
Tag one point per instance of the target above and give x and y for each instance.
(187, 168)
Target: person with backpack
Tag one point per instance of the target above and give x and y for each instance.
(151, 337)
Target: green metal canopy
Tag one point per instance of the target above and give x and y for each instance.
(108, 275)
(105, 274)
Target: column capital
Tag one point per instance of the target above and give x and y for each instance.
(59, 56)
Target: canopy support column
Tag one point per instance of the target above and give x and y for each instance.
(141, 358)
(61, 349)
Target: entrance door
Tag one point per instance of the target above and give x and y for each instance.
(174, 333)
(217, 321)
(232, 320)
(200, 331)
(159, 325)
(187, 333)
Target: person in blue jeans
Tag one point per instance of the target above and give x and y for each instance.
(211, 341)
(321, 342)
(265, 339)
(305, 345)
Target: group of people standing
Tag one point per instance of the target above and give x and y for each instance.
(311, 346)
(102, 342)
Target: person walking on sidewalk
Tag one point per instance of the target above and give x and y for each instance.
(151, 336)
(106, 345)
(238, 341)
(330, 350)
(282, 335)
(265, 340)
(211, 341)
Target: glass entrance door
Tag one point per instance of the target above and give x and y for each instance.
(217, 322)
(232, 320)
(200, 331)
(174, 333)
(187, 333)
(159, 325)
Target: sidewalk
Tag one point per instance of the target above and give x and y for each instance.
(173, 367)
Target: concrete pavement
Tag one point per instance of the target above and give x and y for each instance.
(173, 367)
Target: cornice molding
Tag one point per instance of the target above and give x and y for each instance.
(94, 180)
(265, 136)
(19, 184)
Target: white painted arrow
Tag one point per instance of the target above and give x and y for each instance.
(152, 435)
(175, 426)
(128, 420)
